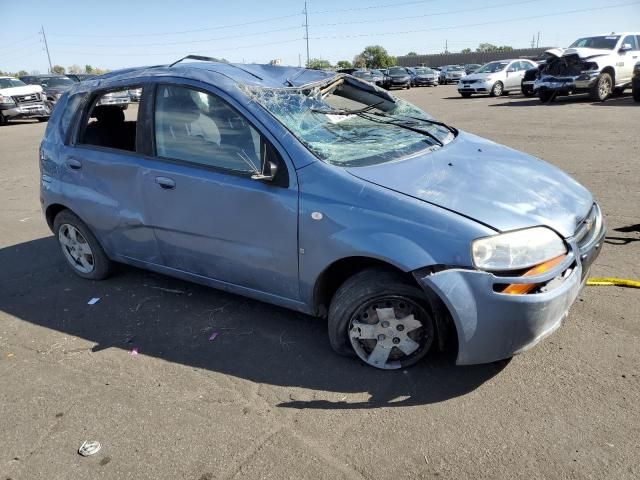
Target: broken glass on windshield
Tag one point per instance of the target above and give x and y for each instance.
(347, 123)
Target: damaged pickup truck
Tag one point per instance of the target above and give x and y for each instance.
(325, 194)
(600, 66)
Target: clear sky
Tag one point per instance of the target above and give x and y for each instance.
(117, 33)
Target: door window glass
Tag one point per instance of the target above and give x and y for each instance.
(202, 128)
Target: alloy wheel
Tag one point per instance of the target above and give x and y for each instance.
(76, 249)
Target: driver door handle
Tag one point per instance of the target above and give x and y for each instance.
(74, 164)
(166, 183)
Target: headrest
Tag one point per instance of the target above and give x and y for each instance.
(108, 114)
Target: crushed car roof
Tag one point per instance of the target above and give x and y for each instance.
(270, 76)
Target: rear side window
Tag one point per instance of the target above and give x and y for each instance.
(111, 122)
(69, 112)
(201, 128)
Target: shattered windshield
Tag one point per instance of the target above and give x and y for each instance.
(349, 124)
(604, 43)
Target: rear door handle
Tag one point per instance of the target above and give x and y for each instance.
(166, 183)
(74, 164)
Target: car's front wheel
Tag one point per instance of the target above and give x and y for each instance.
(383, 319)
(497, 89)
(80, 247)
(602, 88)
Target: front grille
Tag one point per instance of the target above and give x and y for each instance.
(28, 99)
(468, 82)
(589, 228)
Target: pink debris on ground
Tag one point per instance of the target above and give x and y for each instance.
(134, 351)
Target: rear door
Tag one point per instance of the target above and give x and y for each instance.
(210, 217)
(627, 59)
(102, 176)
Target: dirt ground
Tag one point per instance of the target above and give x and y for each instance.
(268, 398)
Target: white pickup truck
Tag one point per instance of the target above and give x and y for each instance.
(598, 65)
(19, 100)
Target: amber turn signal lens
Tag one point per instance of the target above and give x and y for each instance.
(522, 288)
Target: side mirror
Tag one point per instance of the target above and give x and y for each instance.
(625, 48)
(269, 172)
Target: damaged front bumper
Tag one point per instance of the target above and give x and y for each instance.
(39, 110)
(493, 326)
(567, 84)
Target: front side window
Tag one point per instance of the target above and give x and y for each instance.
(111, 122)
(201, 128)
(345, 123)
(630, 40)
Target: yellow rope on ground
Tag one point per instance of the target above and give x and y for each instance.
(617, 282)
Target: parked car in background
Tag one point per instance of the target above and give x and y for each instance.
(598, 65)
(80, 77)
(369, 76)
(635, 82)
(386, 79)
(425, 76)
(451, 74)
(135, 94)
(321, 193)
(400, 77)
(469, 68)
(120, 98)
(19, 100)
(495, 78)
(53, 85)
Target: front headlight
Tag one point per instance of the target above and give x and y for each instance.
(6, 100)
(517, 250)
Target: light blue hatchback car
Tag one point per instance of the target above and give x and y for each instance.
(324, 194)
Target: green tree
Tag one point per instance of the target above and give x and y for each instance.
(88, 69)
(375, 56)
(57, 69)
(75, 69)
(22, 73)
(489, 47)
(465, 50)
(318, 64)
(412, 54)
(343, 64)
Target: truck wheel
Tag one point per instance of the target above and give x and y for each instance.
(602, 88)
(497, 89)
(80, 248)
(383, 319)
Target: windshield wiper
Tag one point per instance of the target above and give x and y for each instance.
(431, 122)
(344, 111)
(406, 126)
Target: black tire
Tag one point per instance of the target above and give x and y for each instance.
(465, 94)
(602, 88)
(636, 94)
(497, 89)
(361, 291)
(43, 119)
(3, 120)
(101, 264)
(546, 96)
(528, 93)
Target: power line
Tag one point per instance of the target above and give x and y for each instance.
(437, 14)
(185, 42)
(218, 27)
(492, 22)
(8, 45)
(372, 7)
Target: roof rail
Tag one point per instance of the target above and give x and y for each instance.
(211, 59)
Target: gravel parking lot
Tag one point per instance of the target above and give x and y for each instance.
(268, 398)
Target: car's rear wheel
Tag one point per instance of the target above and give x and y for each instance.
(527, 92)
(3, 120)
(383, 319)
(602, 88)
(80, 247)
(43, 119)
(636, 94)
(497, 89)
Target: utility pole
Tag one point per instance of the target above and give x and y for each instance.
(306, 27)
(299, 60)
(533, 41)
(538, 42)
(446, 46)
(46, 48)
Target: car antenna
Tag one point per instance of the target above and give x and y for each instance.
(211, 59)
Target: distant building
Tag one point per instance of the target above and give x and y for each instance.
(276, 61)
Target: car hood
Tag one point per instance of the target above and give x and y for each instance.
(478, 76)
(24, 90)
(489, 183)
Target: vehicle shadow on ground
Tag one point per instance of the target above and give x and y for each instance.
(624, 240)
(175, 320)
(617, 101)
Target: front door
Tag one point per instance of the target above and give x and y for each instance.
(210, 217)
